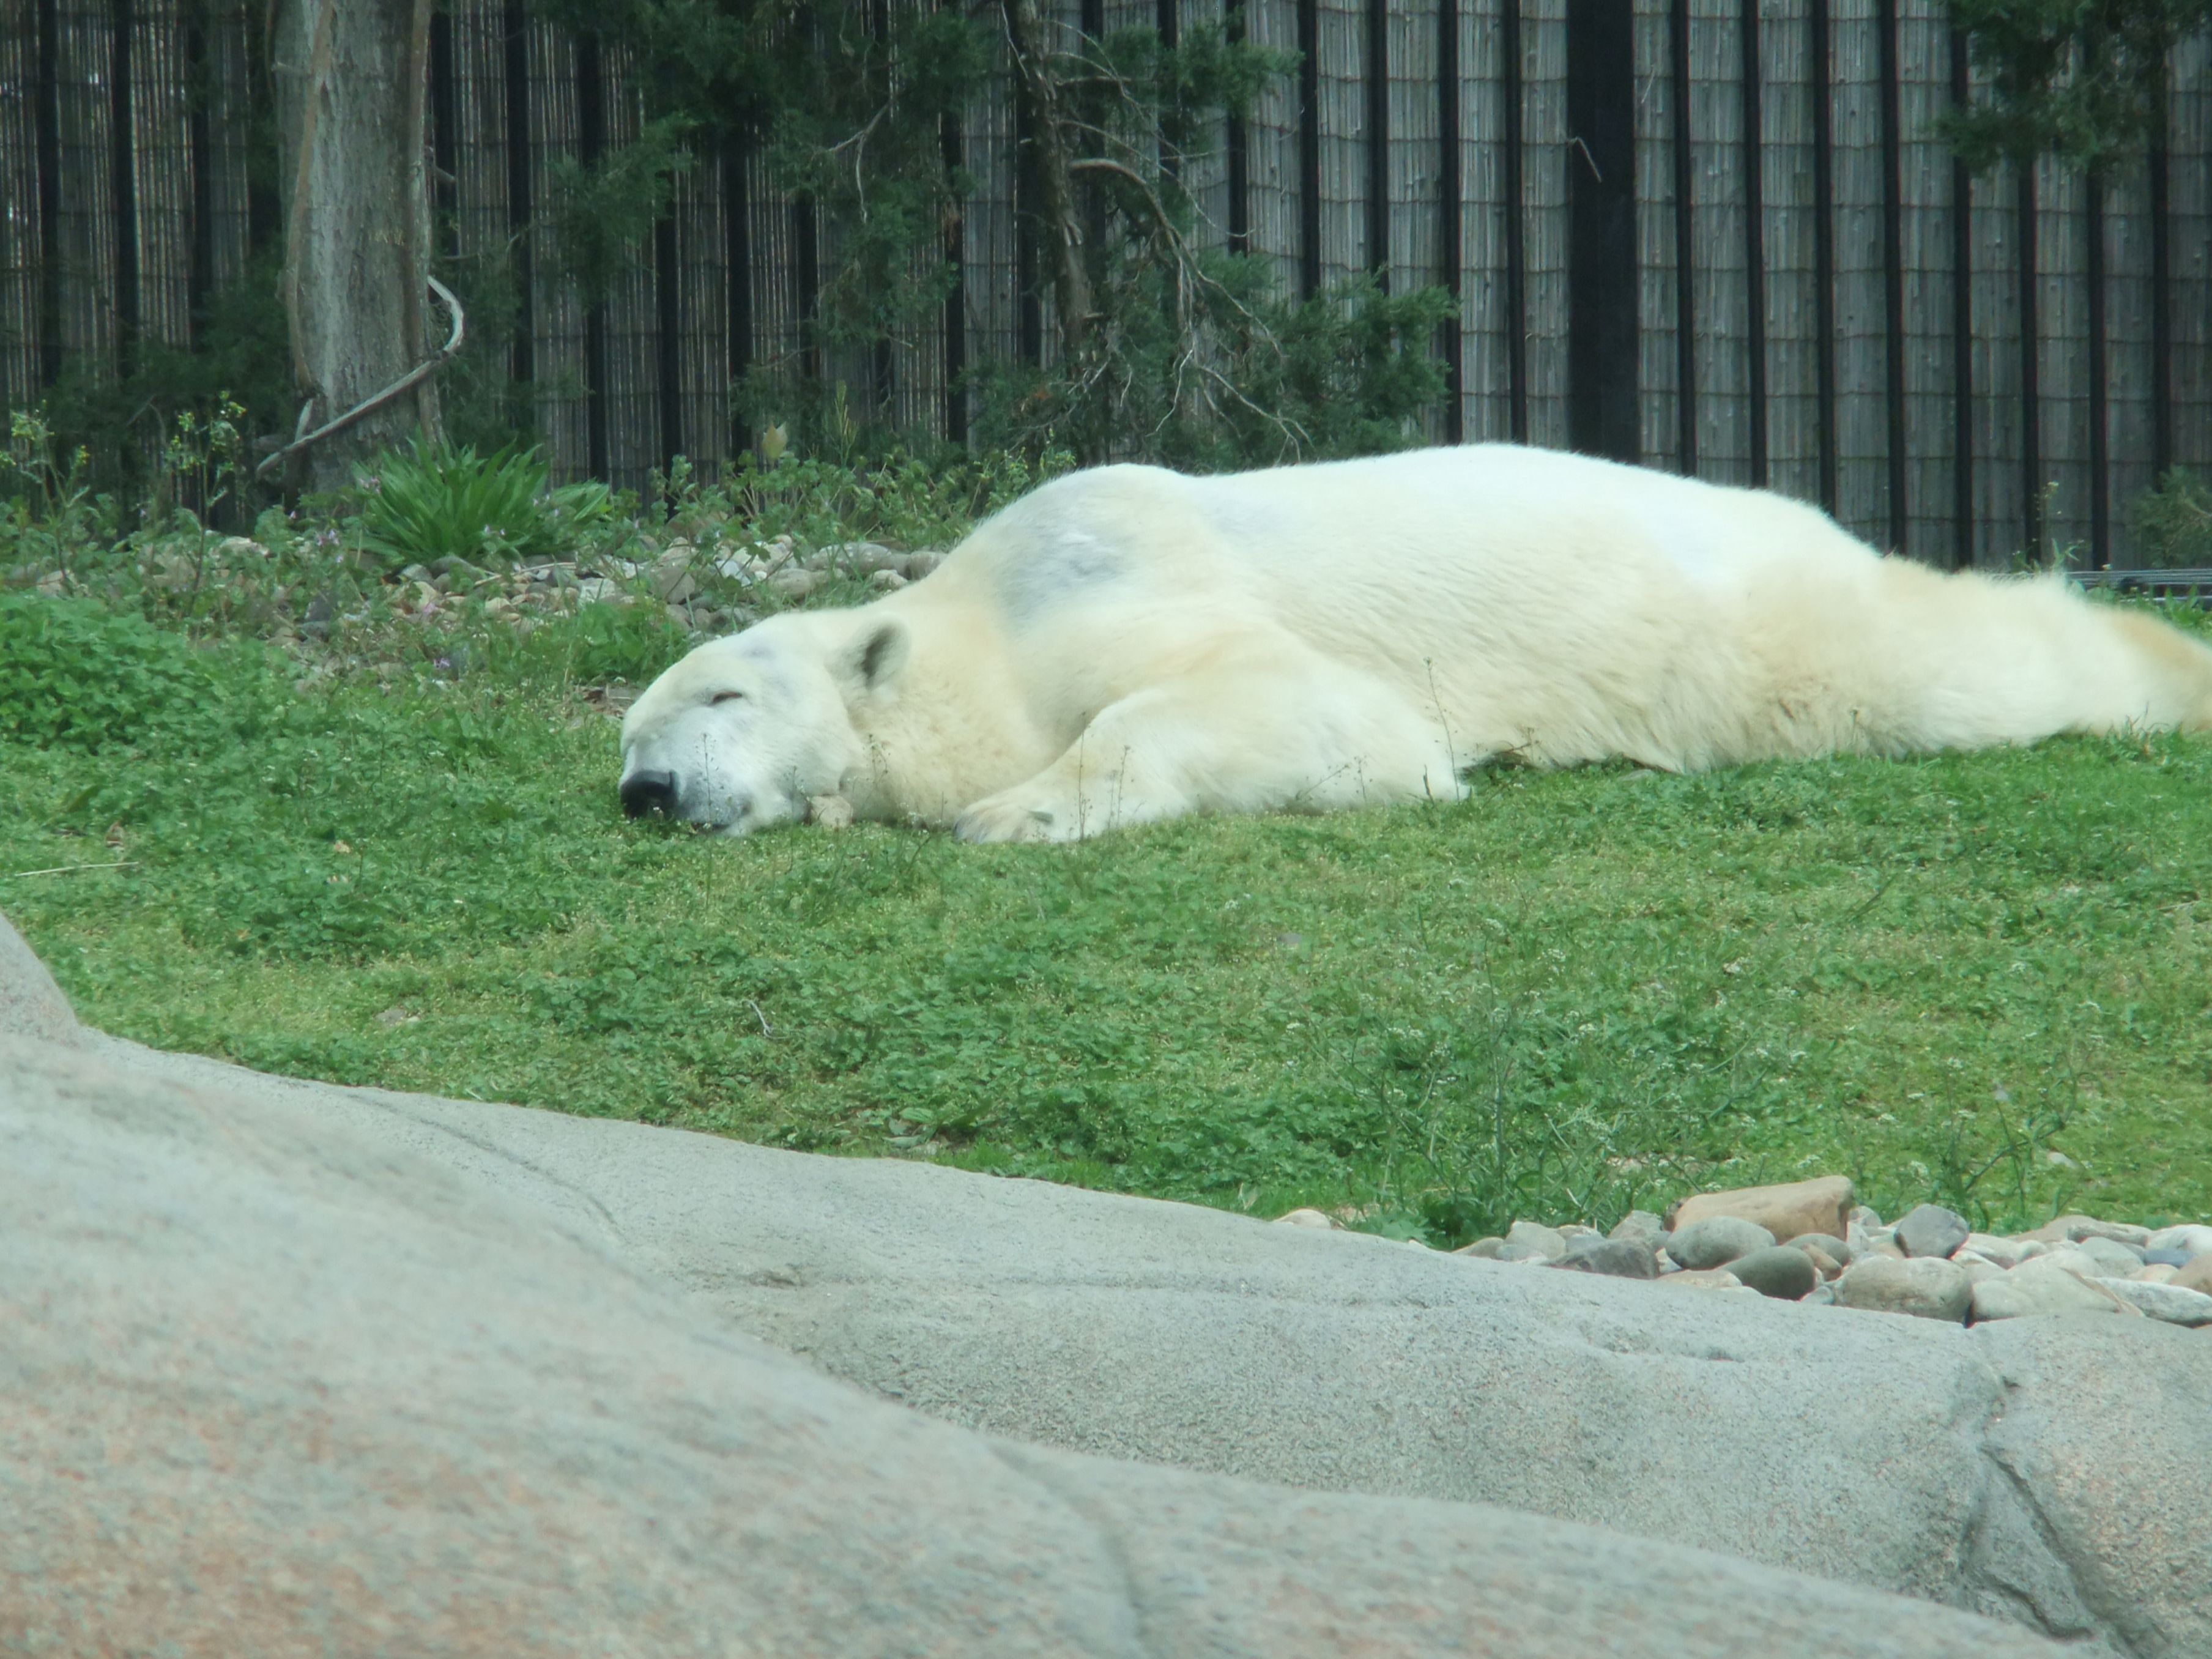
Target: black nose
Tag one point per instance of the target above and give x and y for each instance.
(649, 792)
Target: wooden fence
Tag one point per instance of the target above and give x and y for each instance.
(1710, 234)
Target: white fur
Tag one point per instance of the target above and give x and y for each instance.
(1126, 645)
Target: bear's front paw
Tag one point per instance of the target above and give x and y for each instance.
(998, 818)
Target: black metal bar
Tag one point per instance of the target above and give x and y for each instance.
(1820, 74)
(881, 362)
(1308, 149)
(1893, 276)
(1754, 235)
(956, 294)
(1167, 23)
(668, 329)
(1378, 141)
(590, 140)
(2162, 302)
(737, 255)
(445, 134)
(1962, 329)
(1450, 241)
(199, 143)
(122, 186)
(46, 118)
(2030, 391)
(2101, 482)
(1601, 276)
(1685, 275)
(522, 357)
(1516, 281)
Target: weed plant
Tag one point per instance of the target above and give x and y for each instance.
(437, 502)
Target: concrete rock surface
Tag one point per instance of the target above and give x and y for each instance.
(1855, 1447)
(268, 1385)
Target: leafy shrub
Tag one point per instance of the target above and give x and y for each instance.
(443, 502)
(2176, 522)
(75, 675)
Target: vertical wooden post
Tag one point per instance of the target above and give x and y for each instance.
(955, 295)
(1962, 330)
(1517, 274)
(1893, 273)
(199, 142)
(1308, 149)
(1450, 227)
(1819, 73)
(1239, 164)
(2100, 478)
(123, 189)
(738, 260)
(1753, 72)
(2031, 389)
(1378, 141)
(46, 118)
(2161, 294)
(1685, 274)
(522, 357)
(590, 140)
(668, 333)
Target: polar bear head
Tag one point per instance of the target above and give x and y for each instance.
(745, 732)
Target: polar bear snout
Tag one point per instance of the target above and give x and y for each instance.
(648, 794)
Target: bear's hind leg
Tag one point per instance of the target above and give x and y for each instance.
(1315, 738)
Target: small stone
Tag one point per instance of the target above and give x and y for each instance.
(2005, 1252)
(1527, 1253)
(2157, 1272)
(2195, 1274)
(1306, 1217)
(1716, 1241)
(1639, 1225)
(1863, 1215)
(2191, 1241)
(1485, 1248)
(1977, 1269)
(1777, 1271)
(919, 564)
(2075, 1228)
(1882, 1244)
(1572, 1230)
(2156, 1258)
(2041, 1287)
(796, 584)
(1825, 1265)
(1802, 1207)
(1927, 1287)
(1704, 1278)
(1548, 1241)
(2174, 1305)
(1827, 1244)
(1618, 1258)
(1932, 1230)
(886, 581)
(2114, 1259)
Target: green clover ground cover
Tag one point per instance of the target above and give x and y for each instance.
(1983, 979)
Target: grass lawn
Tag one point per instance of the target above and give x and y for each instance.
(1983, 979)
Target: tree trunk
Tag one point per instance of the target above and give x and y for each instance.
(1057, 208)
(351, 97)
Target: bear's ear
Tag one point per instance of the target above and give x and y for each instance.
(872, 657)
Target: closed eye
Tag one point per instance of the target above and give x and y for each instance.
(726, 697)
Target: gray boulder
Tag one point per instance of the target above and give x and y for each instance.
(1932, 1230)
(1853, 1446)
(1716, 1241)
(269, 1385)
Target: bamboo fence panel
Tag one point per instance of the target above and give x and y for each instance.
(1545, 152)
(1719, 202)
(2188, 242)
(1271, 147)
(1856, 344)
(1925, 211)
(1794, 417)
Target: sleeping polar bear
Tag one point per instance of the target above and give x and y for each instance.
(1126, 645)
